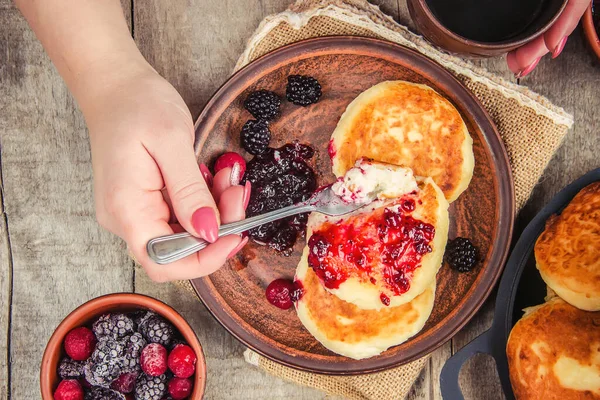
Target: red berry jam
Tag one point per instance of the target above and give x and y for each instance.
(282, 293)
(331, 149)
(360, 245)
(280, 177)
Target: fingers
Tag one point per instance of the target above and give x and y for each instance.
(524, 59)
(191, 198)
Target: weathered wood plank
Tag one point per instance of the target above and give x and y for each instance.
(5, 293)
(61, 257)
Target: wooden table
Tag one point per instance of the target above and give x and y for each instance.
(54, 256)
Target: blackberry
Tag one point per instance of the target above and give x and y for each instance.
(255, 136)
(114, 326)
(461, 254)
(263, 105)
(70, 369)
(151, 387)
(103, 373)
(99, 393)
(156, 330)
(134, 345)
(303, 90)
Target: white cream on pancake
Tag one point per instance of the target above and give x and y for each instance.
(369, 179)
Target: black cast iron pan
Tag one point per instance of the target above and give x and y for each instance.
(521, 286)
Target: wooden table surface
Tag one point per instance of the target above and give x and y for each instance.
(53, 254)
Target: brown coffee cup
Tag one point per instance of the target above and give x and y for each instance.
(507, 25)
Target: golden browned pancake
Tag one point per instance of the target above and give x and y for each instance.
(554, 353)
(385, 254)
(347, 330)
(567, 253)
(406, 124)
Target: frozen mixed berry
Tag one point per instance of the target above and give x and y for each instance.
(229, 160)
(255, 136)
(182, 361)
(180, 388)
(263, 105)
(69, 389)
(279, 293)
(303, 90)
(70, 369)
(79, 343)
(134, 345)
(150, 387)
(461, 254)
(125, 383)
(99, 393)
(154, 359)
(156, 329)
(115, 326)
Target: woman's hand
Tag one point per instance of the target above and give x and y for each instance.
(524, 59)
(142, 138)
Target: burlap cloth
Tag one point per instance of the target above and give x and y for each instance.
(532, 129)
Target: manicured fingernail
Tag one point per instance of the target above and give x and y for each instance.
(528, 69)
(247, 190)
(204, 221)
(208, 177)
(236, 175)
(559, 47)
(237, 248)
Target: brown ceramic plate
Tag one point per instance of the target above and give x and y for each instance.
(346, 66)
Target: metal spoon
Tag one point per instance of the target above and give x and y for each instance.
(170, 248)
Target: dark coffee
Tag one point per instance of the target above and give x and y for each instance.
(487, 20)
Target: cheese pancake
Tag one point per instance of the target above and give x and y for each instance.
(384, 254)
(406, 124)
(346, 329)
(567, 253)
(554, 353)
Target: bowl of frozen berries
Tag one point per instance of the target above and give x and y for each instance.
(123, 347)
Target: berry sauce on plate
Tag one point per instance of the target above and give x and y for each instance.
(280, 177)
(390, 237)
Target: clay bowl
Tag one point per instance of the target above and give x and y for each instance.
(346, 66)
(436, 32)
(118, 302)
(591, 34)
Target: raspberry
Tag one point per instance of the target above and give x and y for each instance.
(182, 361)
(279, 293)
(263, 105)
(255, 136)
(125, 383)
(461, 254)
(180, 388)
(68, 389)
(79, 343)
(70, 369)
(99, 393)
(154, 359)
(229, 160)
(115, 326)
(303, 90)
(150, 387)
(156, 330)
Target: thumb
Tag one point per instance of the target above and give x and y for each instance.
(190, 196)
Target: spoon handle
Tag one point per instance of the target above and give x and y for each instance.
(170, 248)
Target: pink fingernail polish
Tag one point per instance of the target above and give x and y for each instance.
(247, 190)
(528, 69)
(559, 47)
(208, 177)
(236, 174)
(237, 248)
(204, 221)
